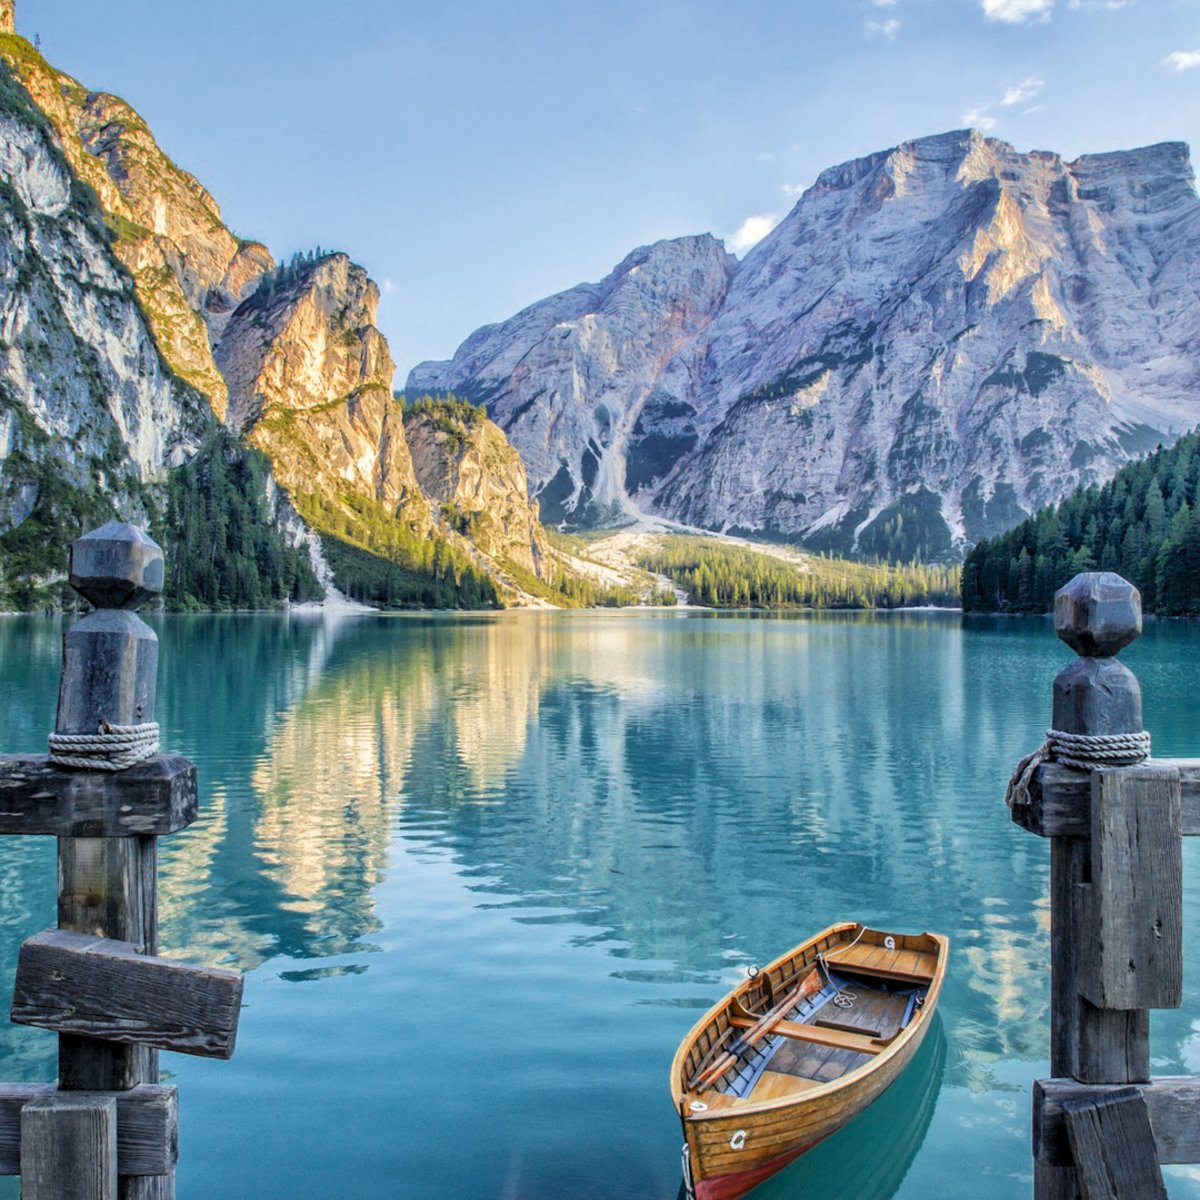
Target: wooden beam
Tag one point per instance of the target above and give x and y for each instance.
(69, 1147)
(156, 797)
(147, 1126)
(1060, 799)
(1133, 909)
(1113, 1147)
(103, 988)
(1172, 1103)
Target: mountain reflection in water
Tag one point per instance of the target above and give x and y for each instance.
(509, 858)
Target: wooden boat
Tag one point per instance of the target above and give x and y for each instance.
(798, 1049)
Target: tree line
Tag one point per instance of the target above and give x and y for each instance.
(728, 576)
(1143, 524)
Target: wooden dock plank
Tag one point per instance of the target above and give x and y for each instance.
(104, 988)
(147, 1127)
(69, 1147)
(1060, 799)
(1113, 1147)
(153, 797)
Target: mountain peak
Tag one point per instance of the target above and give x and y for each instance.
(938, 339)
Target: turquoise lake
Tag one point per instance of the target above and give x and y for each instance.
(483, 872)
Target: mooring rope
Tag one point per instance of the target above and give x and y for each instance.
(1081, 752)
(111, 748)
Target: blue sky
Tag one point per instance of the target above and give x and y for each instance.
(476, 155)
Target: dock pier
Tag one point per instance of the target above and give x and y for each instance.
(1102, 1125)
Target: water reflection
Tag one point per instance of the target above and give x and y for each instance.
(622, 811)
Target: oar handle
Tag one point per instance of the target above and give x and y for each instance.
(809, 984)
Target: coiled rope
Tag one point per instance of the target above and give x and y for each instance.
(1081, 752)
(111, 748)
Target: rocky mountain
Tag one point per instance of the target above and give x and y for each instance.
(132, 321)
(91, 410)
(465, 464)
(937, 340)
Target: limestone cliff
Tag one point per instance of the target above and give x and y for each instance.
(309, 380)
(466, 465)
(568, 378)
(188, 269)
(90, 413)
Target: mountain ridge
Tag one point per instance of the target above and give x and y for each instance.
(135, 321)
(938, 339)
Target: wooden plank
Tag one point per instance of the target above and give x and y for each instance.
(157, 796)
(1173, 1104)
(858, 1042)
(1060, 799)
(1134, 908)
(1113, 1147)
(772, 1085)
(147, 1126)
(1091, 1044)
(103, 988)
(69, 1147)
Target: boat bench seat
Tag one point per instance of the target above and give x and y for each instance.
(837, 1038)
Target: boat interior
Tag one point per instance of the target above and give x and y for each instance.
(800, 1028)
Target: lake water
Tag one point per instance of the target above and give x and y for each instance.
(483, 872)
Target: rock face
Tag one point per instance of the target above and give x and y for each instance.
(567, 379)
(466, 465)
(188, 269)
(90, 412)
(309, 380)
(937, 340)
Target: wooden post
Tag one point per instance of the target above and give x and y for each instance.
(69, 1148)
(1097, 614)
(107, 886)
(108, 1130)
(1116, 941)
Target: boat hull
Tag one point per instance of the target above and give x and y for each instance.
(729, 1187)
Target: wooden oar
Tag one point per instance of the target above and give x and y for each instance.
(809, 984)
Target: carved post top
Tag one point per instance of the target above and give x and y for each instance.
(1098, 614)
(110, 657)
(116, 566)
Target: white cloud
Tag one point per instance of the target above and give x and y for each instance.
(1182, 60)
(886, 29)
(751, 231)
(387, 286)
(795, 189)
(884, 3)
(1092, 4)
(976, 118)
(1025, 90)
(1017, 11)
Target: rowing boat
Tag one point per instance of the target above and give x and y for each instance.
(798, 1049)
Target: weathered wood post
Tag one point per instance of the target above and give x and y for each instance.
(1114, 819)
(109, 1129)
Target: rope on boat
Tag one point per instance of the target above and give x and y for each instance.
(110, 748)
(1080, 752)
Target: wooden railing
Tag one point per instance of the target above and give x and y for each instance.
(108, 1129)
(1102, 1125)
